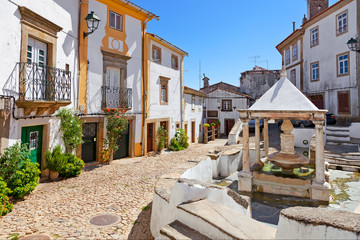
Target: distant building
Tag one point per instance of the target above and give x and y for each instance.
(257, 81)
(193, 111)
(319, 61)
(221, 104)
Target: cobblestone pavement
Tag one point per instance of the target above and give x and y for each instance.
(124, 188)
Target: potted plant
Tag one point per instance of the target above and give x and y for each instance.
(213, 125)
(206, 126)
(55, 161)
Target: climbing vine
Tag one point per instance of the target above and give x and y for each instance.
(71, 127)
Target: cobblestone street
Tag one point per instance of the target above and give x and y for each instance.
(124, 188)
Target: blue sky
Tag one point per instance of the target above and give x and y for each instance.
(225, 35)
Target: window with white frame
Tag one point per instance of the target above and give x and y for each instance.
(226, 105)
(342, 23)
(343, 64)
(164, 90)
(315, 36)
(174, 62)
(315, 71)
(287, 56)
(295, 52)
(293, 76)
(156, 54)
(116, 21)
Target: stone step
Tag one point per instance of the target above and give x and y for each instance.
(347, 156)
(342, 161)
(337, 134)
(178, 230)
(347, 143)
(338, 138)
(336, 128)
(218, 221)
(344, 168)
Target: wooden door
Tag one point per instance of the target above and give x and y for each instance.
(192, 132)
(164, 124)
(229, 124)
(123, 143)
(318, 101)
(186, 129)
(32, 136)
(88, 148)
(150, 136)
(343, 103)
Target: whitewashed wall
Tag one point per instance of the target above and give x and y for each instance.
(193, 115)
(214, 99)
(325, 52)
(64, 14)
(95, 68)
(172, 110)
(292, 65)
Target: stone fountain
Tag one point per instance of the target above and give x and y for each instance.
(283, 101)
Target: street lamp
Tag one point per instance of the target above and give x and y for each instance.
(92, 22)
(353, 45)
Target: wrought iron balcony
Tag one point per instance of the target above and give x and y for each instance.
(116, 97)
(37, 82)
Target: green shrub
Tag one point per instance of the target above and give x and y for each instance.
(73, 166)
(180, 141)
(161, 138)
(55, 160)
(19, 173)
(213, 124)
(5, 205)
(206, 125)
(25, 179)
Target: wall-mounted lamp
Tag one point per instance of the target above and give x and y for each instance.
(353, 45)
(234, 108)
(92, 22)
(219, 108)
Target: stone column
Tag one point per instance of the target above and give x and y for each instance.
(246, 161)
(257, 140)
(320, 189)
(266, 136)
(319, 153)
(206, 137)
(245, 176)
(212, 133)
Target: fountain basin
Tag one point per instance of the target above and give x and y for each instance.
(288, 161)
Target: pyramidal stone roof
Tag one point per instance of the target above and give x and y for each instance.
(283, 96)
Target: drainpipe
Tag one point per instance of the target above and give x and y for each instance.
(143, 78)
(78, 73)
(181, 92)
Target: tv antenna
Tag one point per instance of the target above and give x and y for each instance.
(199, 74)
(267, 64)
(255, 58)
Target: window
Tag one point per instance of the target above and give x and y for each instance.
(226, 105)
(287, 56)
(344, 102)
(200, 104)
(317, 100)
(156, 54)
(192, 103)
(116, 21)
(34, 140)
(295, 52)
(164, 90)
(174, 62)
(315, 71)
(293, 76)
(314, 36)
(343, 64)
(341, 21)
(212, 114)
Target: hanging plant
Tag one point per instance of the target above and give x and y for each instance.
(71, 127)
(116, 124)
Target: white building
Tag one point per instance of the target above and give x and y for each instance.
(193, 121)
(39, 68)
(221, 104)
(322, 66)
(165, 89)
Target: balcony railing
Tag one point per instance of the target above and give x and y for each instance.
(37, 82)
(116, 97)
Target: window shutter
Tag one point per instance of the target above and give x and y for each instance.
(343, 102)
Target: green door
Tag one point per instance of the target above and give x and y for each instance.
(32, 136)
(123, 143)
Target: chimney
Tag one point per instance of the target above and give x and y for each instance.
(314, 7)
(206, 81)
(304, 19)
(294, 27)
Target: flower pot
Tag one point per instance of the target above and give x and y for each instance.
(54, 175)
(45, 173)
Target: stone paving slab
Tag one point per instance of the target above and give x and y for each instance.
(63, 209)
